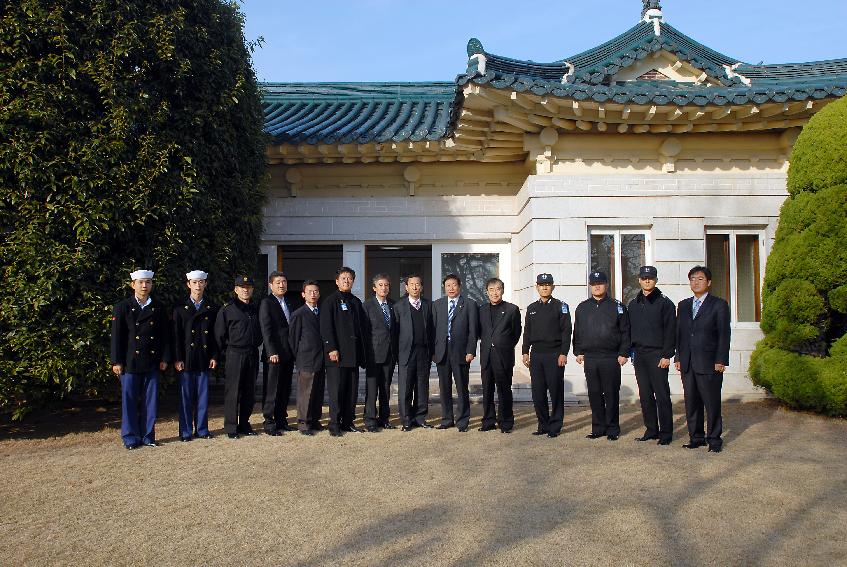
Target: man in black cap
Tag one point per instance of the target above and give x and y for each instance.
(344, 330)
(546, 342)
(238, 334)
(601, 343)
(652, 319)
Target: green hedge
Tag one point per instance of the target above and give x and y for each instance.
(131, 137)
(803, 358)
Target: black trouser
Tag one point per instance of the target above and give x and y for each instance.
(654, 393)
(496, 373)
(310, 399)
(455, 368)
(242, 367)
(413, 387)
(276, 389)
(603, 377)
(703, 391)
(343, 386)
(547, 376)
(378, 388)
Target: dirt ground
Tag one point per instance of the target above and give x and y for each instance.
(71, 495)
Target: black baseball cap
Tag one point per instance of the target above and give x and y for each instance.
(544, 279)
(648, 272)
(597, 277)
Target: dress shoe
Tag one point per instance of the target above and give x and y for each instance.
(248, 433)
(352, 429)
(275, 433)
(185, 439)
(425, 425)
(463, 429)
(388, 425)
(612, 437)
(692, 445)
(150, 444)
(285, 427)
(595, 435)
(487, 428)
(306, 432)
(715, 448)
(445, 426)
(232, 435)
(553, 434)
(539, 432)
(647, 438)
(372, 429)
(207, 436)
(664, 442)
(406, 428)
(506, 430)
(335, 433)
(132, 447)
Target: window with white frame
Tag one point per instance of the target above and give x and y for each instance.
(620, 253)
(735, 257)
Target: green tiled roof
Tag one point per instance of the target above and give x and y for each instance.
(329, 113)
(342, 113)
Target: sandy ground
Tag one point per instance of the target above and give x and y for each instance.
(777, 495)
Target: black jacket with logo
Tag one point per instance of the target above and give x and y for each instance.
(547, 327)
(652, 321)
(601, 328)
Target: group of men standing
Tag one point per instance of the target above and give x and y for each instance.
(328, 346)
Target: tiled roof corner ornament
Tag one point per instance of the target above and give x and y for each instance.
(476, 56)
(568, 77)
(730, 73)
(651, 11)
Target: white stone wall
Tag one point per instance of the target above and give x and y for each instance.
(547, 224)
(557, 211)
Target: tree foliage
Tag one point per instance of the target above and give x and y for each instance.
(131, 137)
(803, 357)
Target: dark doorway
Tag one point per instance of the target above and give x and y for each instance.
(302, 262)
(398, 261)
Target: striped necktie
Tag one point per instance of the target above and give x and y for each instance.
(697, 303)
(450, 312)
(385, 314)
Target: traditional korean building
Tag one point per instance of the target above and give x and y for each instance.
(650, 148)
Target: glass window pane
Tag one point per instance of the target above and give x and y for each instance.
(747, 276)
(474, 270)
(717, 259)
(603, 255)
(633, 256)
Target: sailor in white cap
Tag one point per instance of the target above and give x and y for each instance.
(195, 354)
(140, 350)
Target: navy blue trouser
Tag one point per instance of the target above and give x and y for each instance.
(193, 403)
(138, 415)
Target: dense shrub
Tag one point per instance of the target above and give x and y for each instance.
(131, 137)
(803, 358)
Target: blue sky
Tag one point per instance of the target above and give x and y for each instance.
(402, 40)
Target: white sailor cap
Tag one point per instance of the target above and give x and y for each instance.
(196, 275)
(141, 275)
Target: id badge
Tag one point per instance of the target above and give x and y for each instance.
(343, 306)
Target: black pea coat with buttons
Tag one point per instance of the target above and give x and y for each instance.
(140, 337)
(194, 335)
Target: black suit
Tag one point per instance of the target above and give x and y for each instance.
(701, 343)
(238, 334)
(344, 329)
(304, 337)
(382, 356)
(276, 386)
(499, 332)
(414, 354)
(450, 354)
